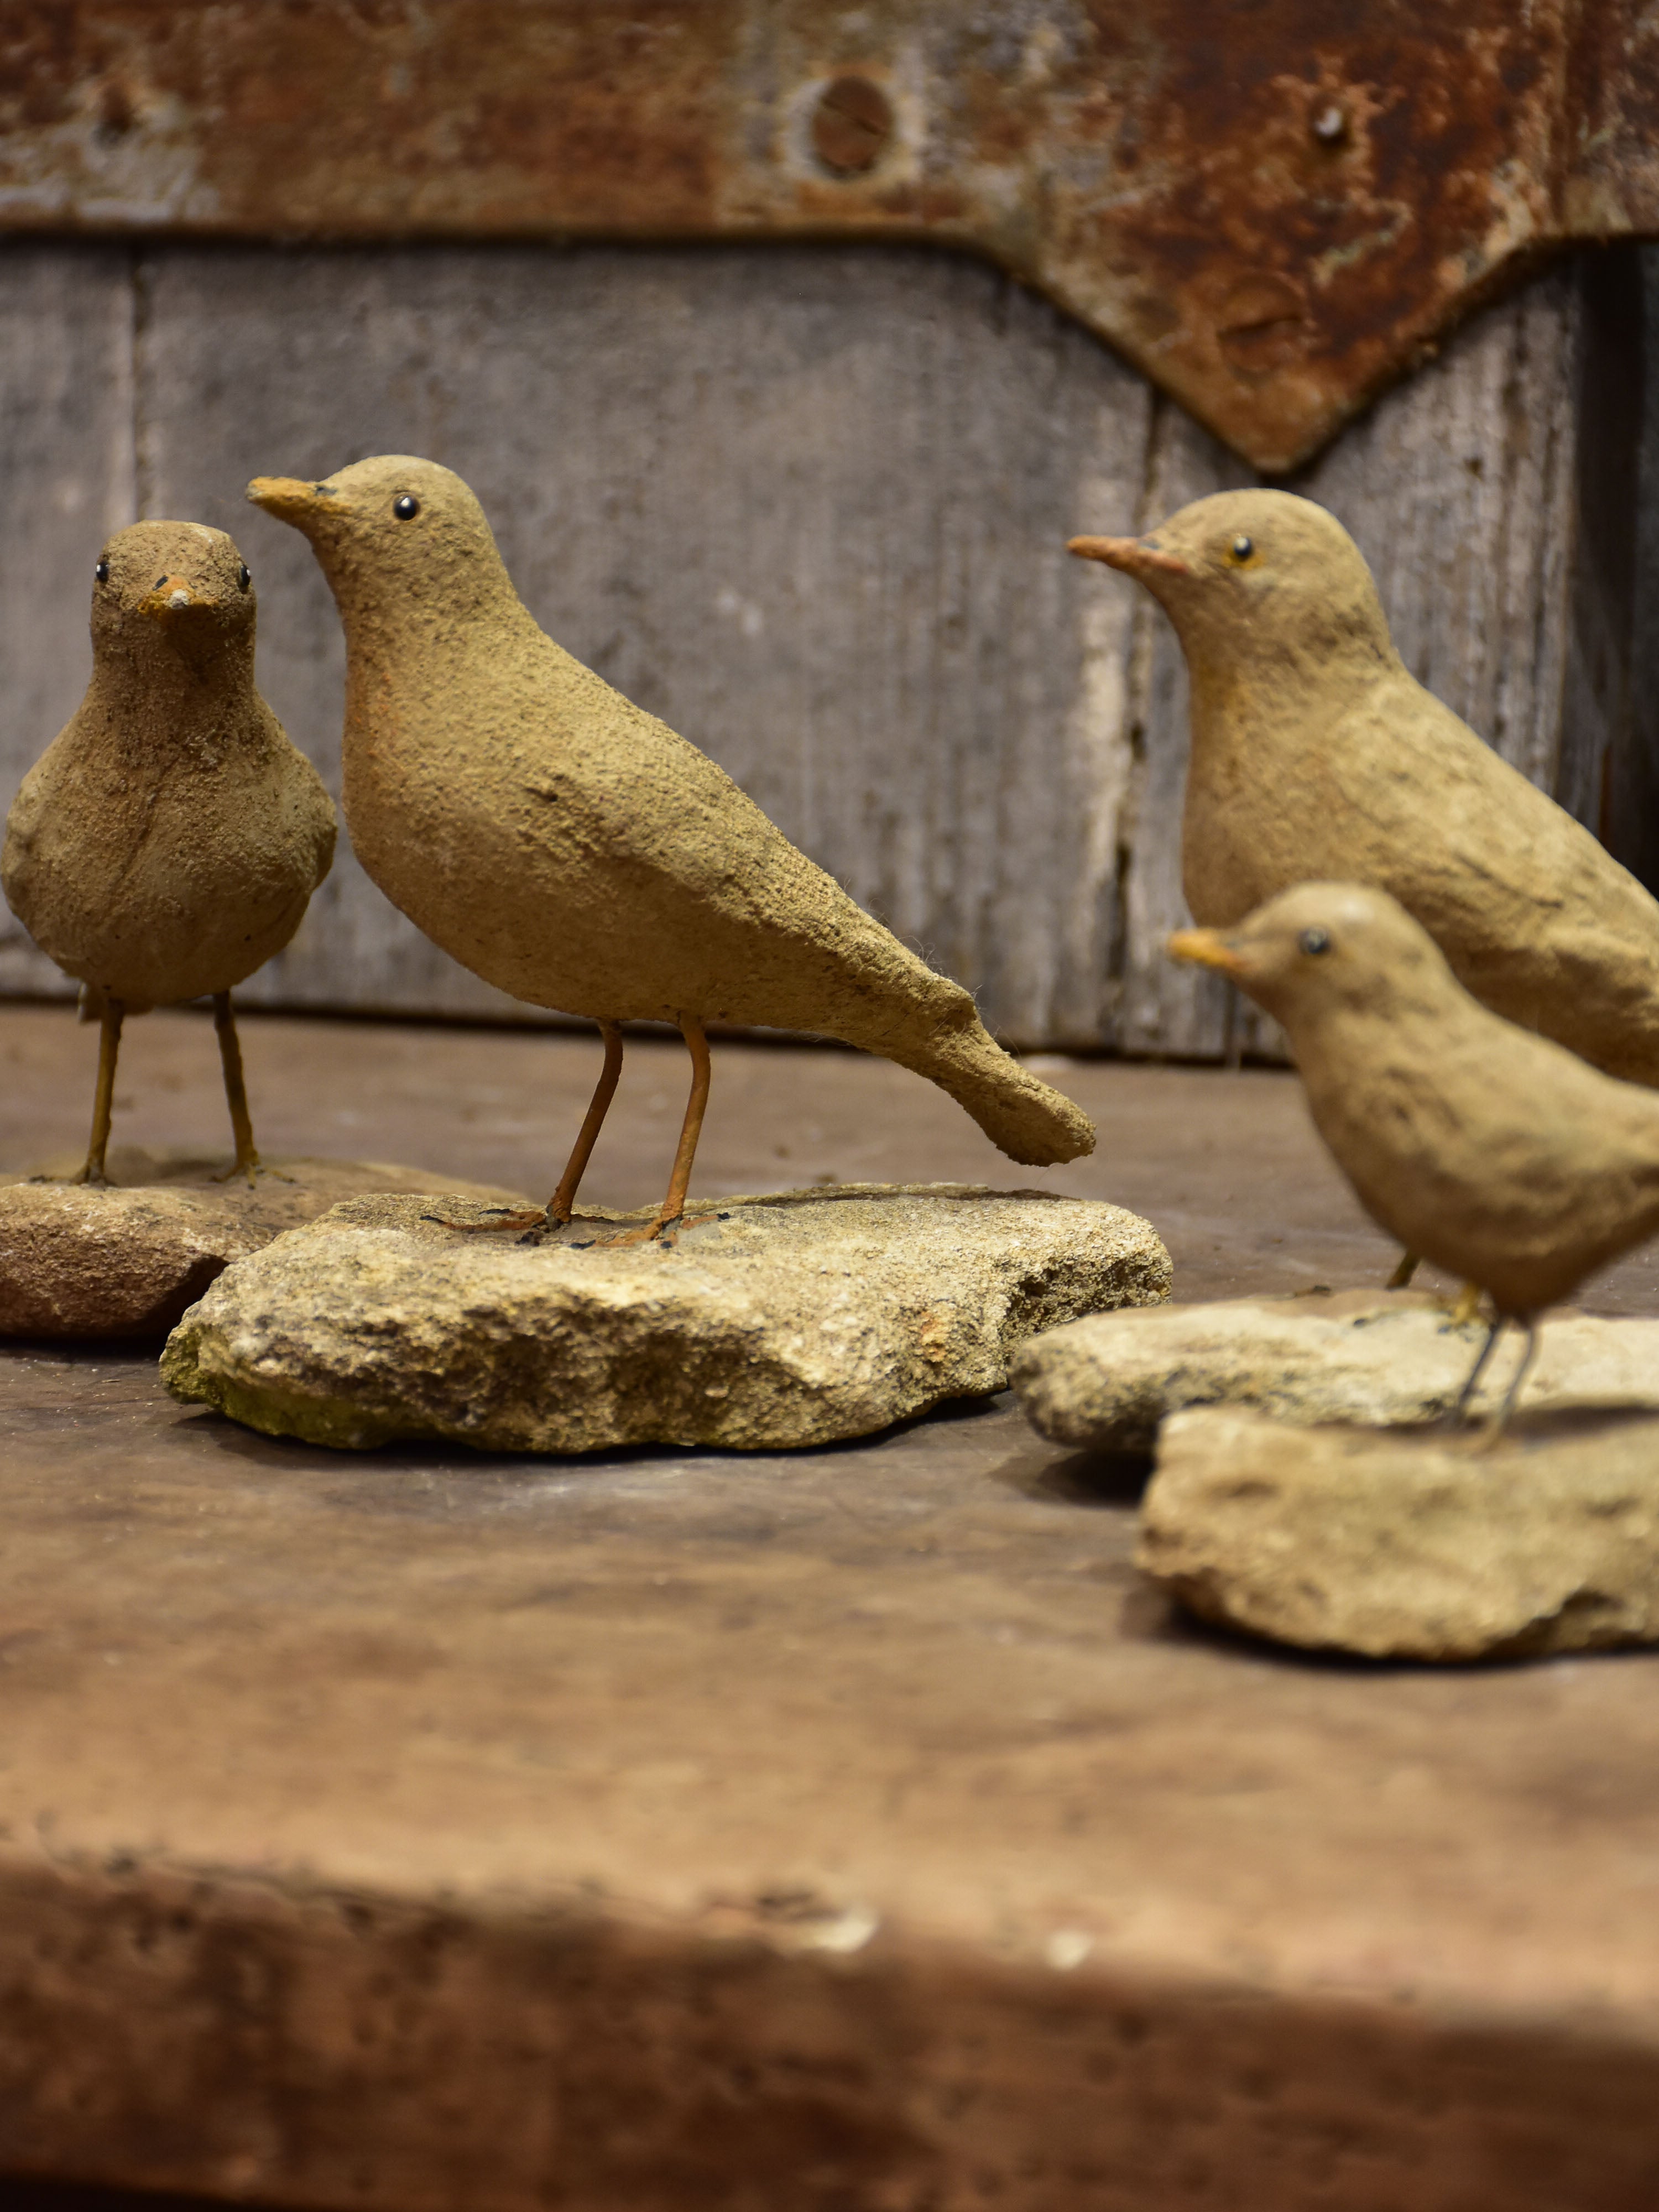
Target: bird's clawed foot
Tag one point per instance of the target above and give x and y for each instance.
(662, 1230)
(253, 1167)
(1467, 1307)
(495, 1220)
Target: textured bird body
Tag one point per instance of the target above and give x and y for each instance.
(575, 852)
(166, 843)
(1492, 1152)
(1315, 754)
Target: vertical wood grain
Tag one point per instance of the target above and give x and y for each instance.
(810, 505)
(1465, 487)
(66, 472)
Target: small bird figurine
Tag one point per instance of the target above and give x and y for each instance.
(572, 850)
(1487, 1148)
(1315, 754)
(167, 842)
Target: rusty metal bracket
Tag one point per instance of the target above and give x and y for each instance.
(1272, 207)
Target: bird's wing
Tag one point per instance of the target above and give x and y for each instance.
(702, 868)
(1536, 917)
(1495, 1152)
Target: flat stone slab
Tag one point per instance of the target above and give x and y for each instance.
(127, 1260)
(1380, 1358)
(1414, 1545)
(798, 1318)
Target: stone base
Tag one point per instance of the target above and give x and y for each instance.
(800, 1318)
(1411, 1546)
(1381, 1359)
(128, 1259)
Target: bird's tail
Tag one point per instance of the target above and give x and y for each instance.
(1020, 1115)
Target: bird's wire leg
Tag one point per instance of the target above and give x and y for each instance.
(560, 1206)
(1400, 1278)
(103, 1101)
(562, 1203)
(673, 1204)
(247, 1161)
(1499, 1421)
(1477, 1371)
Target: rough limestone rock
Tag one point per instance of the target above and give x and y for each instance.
(1415, 1545)
(794, 1319)
(1381, 1358)
(127, 1260)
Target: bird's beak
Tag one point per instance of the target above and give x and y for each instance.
(287, 497)
(1206, 948)
(1137, 556)
(173, 597)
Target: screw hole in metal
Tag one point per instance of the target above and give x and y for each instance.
(851, 124)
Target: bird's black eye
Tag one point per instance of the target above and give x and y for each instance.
(1243, 548)
(1315, 940)
(406, 507)
(243, 579)
(101, 572)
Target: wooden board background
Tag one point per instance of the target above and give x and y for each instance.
(810, 505)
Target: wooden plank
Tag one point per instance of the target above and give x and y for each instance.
(1464, 489)
(810, 505)
(1632, 808)
(847, 1831)
(66, 463)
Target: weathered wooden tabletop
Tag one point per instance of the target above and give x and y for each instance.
(840, 1830)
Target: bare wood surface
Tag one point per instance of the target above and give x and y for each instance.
(810, 505)
(839, 1828)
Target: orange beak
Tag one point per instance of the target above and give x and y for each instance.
(1136, 556)
(286, 497)
(1205, 948)
(173, 596)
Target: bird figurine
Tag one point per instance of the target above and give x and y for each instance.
(1490, 1150)
(1317, 754)
(574, 851)
(167, 842)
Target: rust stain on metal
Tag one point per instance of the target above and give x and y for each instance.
(1272, 211)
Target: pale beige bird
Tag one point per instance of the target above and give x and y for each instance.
(167, 841)
(572, 850)
(1317, 754)
(1488, 1149)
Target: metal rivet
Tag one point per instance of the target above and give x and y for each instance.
(1330, 125)
(851, 124)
